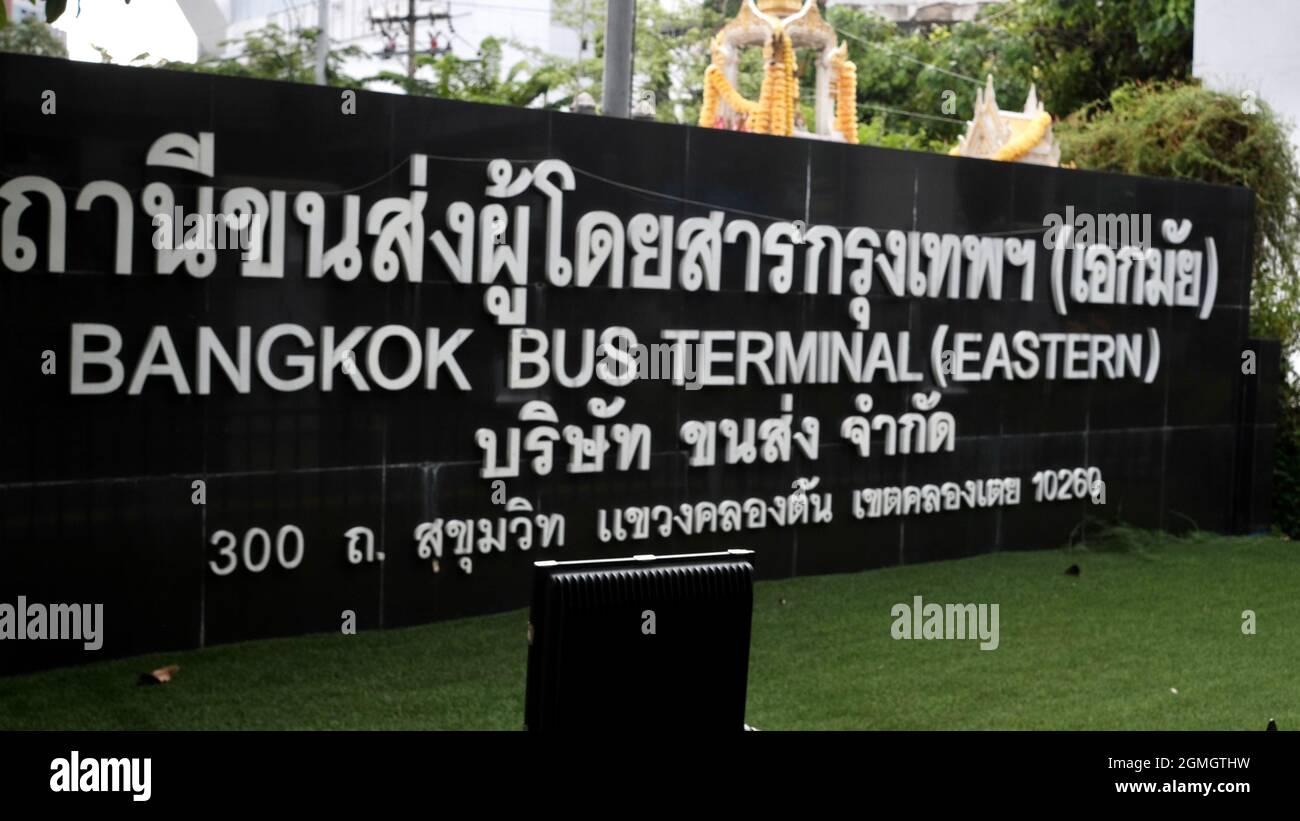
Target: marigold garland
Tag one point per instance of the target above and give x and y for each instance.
(780, 92)
(709, 106)
(846, 94)
(1018, 147)
(717, 88)
(778, 102)
(791, 83)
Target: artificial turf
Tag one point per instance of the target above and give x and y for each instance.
(1147, 636)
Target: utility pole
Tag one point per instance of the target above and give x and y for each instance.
(620, 17)
(322, 40)
(409, 23)
(410, 40)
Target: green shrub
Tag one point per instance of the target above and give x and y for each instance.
(1185, 131)
(1286, 463)
(875, 131)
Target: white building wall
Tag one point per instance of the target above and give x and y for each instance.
(1248, 47)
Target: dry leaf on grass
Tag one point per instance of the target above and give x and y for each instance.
(160, 676)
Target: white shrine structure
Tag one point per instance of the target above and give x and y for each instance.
(1011, 136)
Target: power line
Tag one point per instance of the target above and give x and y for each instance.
(810, 96)
(895, 55)
(911, 113)
(995, 15)
(407, 23)
(529, 9)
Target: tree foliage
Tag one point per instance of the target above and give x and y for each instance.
(671, 52)
(31, 36)
(272, 53)
(1075, 52)
(482, 79)
(1185, 131)
(1084, 50)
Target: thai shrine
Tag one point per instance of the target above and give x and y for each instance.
(1011, 136)
(781, 26)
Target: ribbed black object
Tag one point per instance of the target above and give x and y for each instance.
(592, 666)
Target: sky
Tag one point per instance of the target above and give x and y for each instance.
(155, 26)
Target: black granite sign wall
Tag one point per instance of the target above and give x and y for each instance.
(417, 380)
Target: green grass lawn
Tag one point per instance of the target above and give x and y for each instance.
(1104, 650)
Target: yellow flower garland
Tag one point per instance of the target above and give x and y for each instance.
(761, 120)
(780, 93)
(1018, 147)
(716, 89)
(791, 83)
(778, 99)
(709, 106)
(846, 95)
